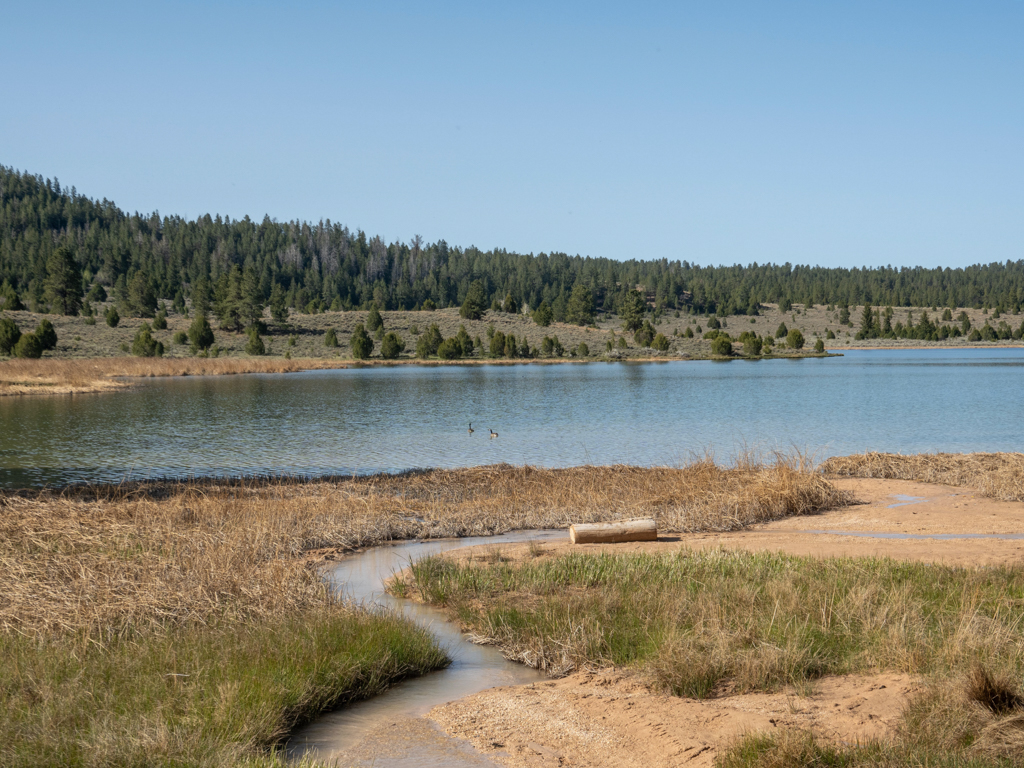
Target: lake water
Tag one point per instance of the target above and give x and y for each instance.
(374, 419)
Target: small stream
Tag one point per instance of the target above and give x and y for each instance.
(474, 668)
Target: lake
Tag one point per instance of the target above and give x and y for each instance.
(389, 419)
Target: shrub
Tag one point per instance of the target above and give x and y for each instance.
(781, 331)
(464, 341)
(557, 347)
(112, 317)
(829, 334)
(144, 345)
(547, 346)
(180, 337)
(46, 334)
(254, 345)
(721, 345)
(645, 334)
(688, 333)
(28, 346)
(374, 320)
(414, 329)
(331, 338)
(714, 323)
(450, 349)
(660, 343)
(795, 339)
(429, 305)
(200, 334)
(160, 321)
(9, 335)
(361, 343)
(497, 344)
(432, 338)
(819, 346)
(752, 346)
(391, 346)
(584, 351)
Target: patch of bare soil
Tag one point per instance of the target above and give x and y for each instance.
(611, 719)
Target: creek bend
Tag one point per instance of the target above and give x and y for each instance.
(360, 577)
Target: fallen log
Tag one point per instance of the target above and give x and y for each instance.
(644, 529)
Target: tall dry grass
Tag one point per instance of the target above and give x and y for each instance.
(996, 475)
(109, 561)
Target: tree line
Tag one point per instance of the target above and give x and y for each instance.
(60, 251)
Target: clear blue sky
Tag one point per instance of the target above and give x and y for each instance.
(828, 133)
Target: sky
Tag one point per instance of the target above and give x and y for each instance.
(838, 134)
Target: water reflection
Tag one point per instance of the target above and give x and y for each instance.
(387, 419)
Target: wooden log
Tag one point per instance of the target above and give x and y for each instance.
(644, 529)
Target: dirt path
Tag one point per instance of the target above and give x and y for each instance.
(611, 719)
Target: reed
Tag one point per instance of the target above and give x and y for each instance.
(996, 475)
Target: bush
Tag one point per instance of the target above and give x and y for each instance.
(200, 333)
(112, 317)
(584, 351)
(498, 344)
(473, 307)
(547, 346)
(795, 339)
(9, 335)
(450, 349)
(46, 334)
(465, 342)
(429, 305)
(160, 321)
(660, 343)
(361, 343)
(331, 338)
(688, 333)
(254, 345)
(819, 346)
(144, 345)
(180, 337)
(28, 346)
(829, 334)
(392, 346)
(752, 346)
(721, 345)
(781, 331)
(374, 320)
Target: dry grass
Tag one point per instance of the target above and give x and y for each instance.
(996, 475)
(112, 561)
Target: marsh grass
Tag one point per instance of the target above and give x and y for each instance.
(697, 623)
(693, 621)
(996, 475)
(188, 623)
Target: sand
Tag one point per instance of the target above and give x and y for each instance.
(610, 718)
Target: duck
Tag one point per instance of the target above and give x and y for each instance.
(471, 427)
(493, 433)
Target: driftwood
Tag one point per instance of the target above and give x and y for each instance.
(645, 529)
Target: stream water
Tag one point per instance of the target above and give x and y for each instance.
(474, 668)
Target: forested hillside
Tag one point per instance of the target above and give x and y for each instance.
(318, 266)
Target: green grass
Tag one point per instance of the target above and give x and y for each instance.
(692, 621)
(203, 696)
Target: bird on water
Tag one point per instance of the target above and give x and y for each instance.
(471, 427)
(493, 433)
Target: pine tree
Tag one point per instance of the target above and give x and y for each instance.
(391, 346)
(63, 286)
(46, 334)
(9, 335)
(331, 338)
(200, 334)
(580, 309)
(632, 310)
(374, 321)
(474, 303)
(542, 315)
(361, 343)
(278, 305)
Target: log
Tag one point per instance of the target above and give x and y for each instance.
(644, 529)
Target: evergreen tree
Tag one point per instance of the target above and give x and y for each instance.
(254, 343)
(9, 298)
(510, 305)
(450, 349)
(28, 346)
(392, 346)
(795, 339)
(140, 301)
(464, 341)
(250, 305)
(542, 315)
(112, 317)
(331, 338)
(475, 302)
(374, 322)
(278, 306)
(582, 350)
(9, 335)
(632, 310)
(361, 343)
(580, 309)
(144, 345)
(782, 331)
(660, 342)
(200, 334)
(63, 287)
(819, 346)
(160, 321)
(46, 334)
